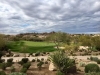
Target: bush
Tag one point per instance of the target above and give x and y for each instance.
(91, 68)
(39, 65)
(98, 61)
(82, 64)
(37, 53)
(2, 60)
(12, 69)
(33, 60)
(27, 65)
(38, 60)
(17, 73)
(59, 73)
(23, 70)
(93, 73)
(21, 62)
(9, 64)
(72, 69)
(42, 59)
(46, 62)
(25, 60)
(3, 66)
(2, 73)
(10, 60)
(93, 58)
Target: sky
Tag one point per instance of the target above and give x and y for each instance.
(71, 16)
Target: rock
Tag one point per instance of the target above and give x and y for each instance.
(52, 67)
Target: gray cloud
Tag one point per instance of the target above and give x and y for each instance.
(48, 15)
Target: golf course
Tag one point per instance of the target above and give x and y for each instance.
(30, 47)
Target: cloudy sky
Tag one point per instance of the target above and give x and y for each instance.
(72, 16)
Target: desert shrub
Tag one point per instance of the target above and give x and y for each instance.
(2, 60)
(37, 53)
(23, 70)
(44, 52)
(38, 60)
(82, 64)
(12, 69)
(91, 68)
(42, 59)
(26, 65)
(59, 73)
(24, 60)
(33, 60)
(3, 66)
(17, 73)
(72, 69)
(30, 53)
(93, 73)
(10, 60)
(61, 61)
(98, 61)
(93, 58)
(9, 64)
(21, 62)
(46, 62)
(39, 65)
(2, 73)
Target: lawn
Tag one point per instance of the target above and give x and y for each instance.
(31, 47)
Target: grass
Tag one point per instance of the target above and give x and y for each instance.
(31, 47)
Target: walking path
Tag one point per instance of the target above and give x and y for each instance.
(46, 57)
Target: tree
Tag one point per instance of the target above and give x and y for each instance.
(61, 61)
(58, 38)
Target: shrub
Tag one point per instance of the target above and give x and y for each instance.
(3, 66)
(46, 62)
(21, 62)
(33, 60)
(12, 69)
(94, 58)
(91, 68)
(61, 61)
(8, 64)
(82, 64)
(2, 60)
(17, 73)
(72, 69)
(98, 61)
(93, 73)
(59, 73)
(37, 53)
(27, 65)
(38, 60)
(10, 60)
(25, 60)
(2, 73)
(42, 59)
(23, 70)
(39, 65)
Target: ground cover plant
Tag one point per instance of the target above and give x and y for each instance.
(30, 46)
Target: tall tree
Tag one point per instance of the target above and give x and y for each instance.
(58, 38)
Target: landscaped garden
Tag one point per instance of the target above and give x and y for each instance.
(57, 54)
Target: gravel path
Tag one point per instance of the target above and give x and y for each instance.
(45, 57)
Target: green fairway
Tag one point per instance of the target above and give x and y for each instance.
(29, 46)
